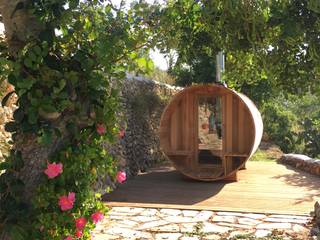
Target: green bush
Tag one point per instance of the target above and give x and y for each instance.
(292, 123)
(279, 125)
(310, 136)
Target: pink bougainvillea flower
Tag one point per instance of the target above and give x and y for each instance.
(122, 132)
(53, 170)
(97, 217)
(81, 223)
(121, 176)
(66, 202)
(79, 233)
(101, 128)
(68, 238)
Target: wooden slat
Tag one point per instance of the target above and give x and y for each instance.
(235, 120)
(173, 132)
(179, 126)
(235, 155)
(241, 127)
(229, 132)
(191, 127)
(179, 152)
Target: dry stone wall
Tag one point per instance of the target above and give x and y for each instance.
(302, 162)
(143, 102)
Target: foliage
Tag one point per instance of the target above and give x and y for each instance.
(63, 80)
(161, 76)
(270, 46)
(310, 135)
(278, 124)
(272, 53)
(291, 122)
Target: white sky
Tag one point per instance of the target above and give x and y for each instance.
(158, 58)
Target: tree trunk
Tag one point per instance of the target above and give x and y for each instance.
(20, 28)
(20, 25)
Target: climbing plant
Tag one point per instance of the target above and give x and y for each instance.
(64, 58)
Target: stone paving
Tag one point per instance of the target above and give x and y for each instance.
(173, 224)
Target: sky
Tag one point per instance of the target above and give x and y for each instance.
(159, 59)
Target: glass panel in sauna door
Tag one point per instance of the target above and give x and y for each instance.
(209, 130)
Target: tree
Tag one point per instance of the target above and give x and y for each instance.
(62, 57)
(269, 45)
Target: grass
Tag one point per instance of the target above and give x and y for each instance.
(267, 152)
(262, 156)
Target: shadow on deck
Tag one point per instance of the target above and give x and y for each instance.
(264, 187)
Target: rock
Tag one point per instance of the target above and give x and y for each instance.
(212, 237)
(152, 225)
(274, 226)
(262, 233)
(171, 212)
(214, 228)
(190, 238)
(302, 162)
(248, 221)
(203, 215)
(286, 220)
(167, 236)
(229, 219)
(315, 231)
(317, 213)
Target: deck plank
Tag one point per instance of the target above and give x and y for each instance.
(265, 187)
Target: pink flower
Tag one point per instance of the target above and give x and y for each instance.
(81, 223)
(122, 132)
(53, 170)
(68, 238)
(66, 202)
(121, 176)
(101, 129)
(97, 217)
(79, 233)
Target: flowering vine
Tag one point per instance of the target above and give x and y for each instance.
(65, 78)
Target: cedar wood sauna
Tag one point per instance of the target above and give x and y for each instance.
(210, 131)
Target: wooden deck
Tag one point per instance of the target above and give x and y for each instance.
(265, 187)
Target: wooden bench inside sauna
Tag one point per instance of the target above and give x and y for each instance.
(210, 131)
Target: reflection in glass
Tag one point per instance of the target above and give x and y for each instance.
(209, 130)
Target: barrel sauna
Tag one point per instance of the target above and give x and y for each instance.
(210, 131)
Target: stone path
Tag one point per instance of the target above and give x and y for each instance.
(173, 224)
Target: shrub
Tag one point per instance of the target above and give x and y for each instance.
(279, 124)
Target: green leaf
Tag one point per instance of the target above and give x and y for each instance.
(37, 50)
(18, 115)
(18, 233)
(45, 137)
(4, 166)
(26, 83)
(27, 62)
(32, 116)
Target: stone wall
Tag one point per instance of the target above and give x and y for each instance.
(315, 231)
(6, 114)
(302, 162)
(143, 102)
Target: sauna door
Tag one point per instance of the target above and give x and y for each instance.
(209, 131)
